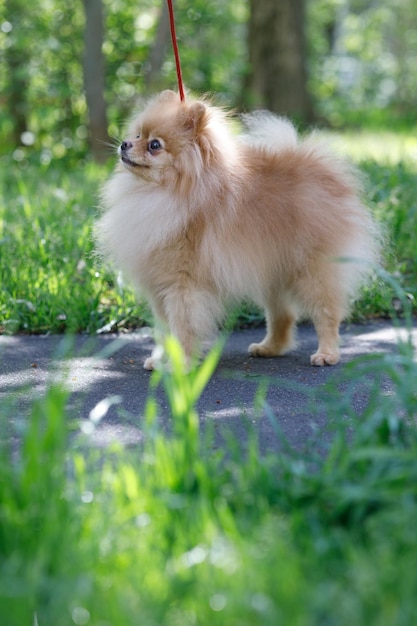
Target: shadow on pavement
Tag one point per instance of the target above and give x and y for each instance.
(297, 395)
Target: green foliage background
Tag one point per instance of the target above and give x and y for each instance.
(361, 61)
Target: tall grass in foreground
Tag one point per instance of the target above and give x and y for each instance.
(176, 534)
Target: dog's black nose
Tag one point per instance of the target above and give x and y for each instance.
(126, 145)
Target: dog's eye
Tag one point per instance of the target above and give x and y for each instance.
(138, 136)
(154, 146)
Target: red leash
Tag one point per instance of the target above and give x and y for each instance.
(175, 47)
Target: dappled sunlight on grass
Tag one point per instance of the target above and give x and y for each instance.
(383, 147)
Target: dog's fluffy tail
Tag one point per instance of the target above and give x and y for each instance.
(361, 252)
(266, 130)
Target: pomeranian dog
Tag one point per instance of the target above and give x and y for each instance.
(199, 218)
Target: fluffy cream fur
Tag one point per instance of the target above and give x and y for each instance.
(199, 217)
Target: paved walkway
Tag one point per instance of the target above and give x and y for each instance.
(94, 368)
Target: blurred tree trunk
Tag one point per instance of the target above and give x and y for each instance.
(16, 58)
(17, 62)
(94, 79)
(153, 79)
(277, 56)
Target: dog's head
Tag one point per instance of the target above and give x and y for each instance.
(168, 140)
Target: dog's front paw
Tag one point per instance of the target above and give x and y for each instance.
(156, 360)
(149, 364)
(263, 350)
(324, 358)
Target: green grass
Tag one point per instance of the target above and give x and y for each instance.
(52, 281)
(383, 147)
(388, 161)
(175, 533)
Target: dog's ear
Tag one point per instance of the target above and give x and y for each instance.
(198, 120)
(195, 117)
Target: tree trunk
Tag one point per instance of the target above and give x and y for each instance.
(277, 56)
(17, 58)
(94, 79)
(153, 79)
(17, 62)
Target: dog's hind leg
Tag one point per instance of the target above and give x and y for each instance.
(325, 302)
(327, 328)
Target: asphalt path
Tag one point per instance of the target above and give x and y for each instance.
(296, 396)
